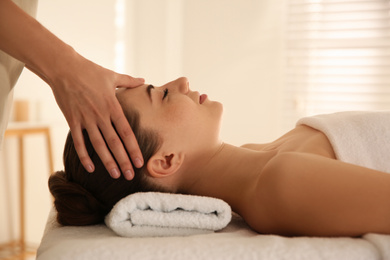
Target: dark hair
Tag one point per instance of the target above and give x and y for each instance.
(83, 198)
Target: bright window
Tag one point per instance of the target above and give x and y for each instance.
(338, 57)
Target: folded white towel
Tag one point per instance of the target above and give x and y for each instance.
(147, 214)
(357, 137)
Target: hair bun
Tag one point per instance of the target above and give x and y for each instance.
(75, 205)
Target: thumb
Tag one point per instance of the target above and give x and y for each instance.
(126, 81)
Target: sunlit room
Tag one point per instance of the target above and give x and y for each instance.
(268, 62)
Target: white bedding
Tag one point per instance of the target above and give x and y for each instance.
(236, 241)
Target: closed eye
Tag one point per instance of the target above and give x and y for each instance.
(148, 90)
(165, 93)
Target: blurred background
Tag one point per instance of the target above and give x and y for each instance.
(269, 62)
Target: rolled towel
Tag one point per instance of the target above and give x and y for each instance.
(151, 214)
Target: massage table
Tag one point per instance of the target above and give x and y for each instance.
(236, 241)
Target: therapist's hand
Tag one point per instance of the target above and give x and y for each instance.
(85, 92)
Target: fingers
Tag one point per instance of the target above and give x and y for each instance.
(100, 148)
(111, 141)
(128, 138)
(79, 144)
(126, 81)
(108, 145)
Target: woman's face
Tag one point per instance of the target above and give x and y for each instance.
(184, 119)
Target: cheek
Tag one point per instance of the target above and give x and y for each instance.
(187, 116)
(185, 122)
(170, 117)
(182, 113)
(182, 122)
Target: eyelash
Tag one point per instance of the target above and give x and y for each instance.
(165, 93)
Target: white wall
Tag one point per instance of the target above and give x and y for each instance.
(229, 49)
(232, 50)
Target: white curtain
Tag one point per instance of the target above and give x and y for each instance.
(338, 57)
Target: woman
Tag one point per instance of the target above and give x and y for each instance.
(292, 186)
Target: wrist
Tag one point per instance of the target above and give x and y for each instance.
(57, 63)
(62, 61)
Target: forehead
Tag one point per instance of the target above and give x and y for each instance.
(133, 95)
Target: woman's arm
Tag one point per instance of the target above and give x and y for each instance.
(84, 91)
(313, 195)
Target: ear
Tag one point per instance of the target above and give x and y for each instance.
(164, 165)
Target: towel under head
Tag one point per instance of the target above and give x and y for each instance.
(165, 214)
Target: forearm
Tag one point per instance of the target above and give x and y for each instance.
(27, 40)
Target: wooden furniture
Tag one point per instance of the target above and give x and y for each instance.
(18, 249)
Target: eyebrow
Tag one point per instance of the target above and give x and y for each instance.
(148, 89)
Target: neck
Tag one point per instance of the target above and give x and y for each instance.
(227, 174)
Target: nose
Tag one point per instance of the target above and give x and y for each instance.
(182, 84)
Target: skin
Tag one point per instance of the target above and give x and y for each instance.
(84, 91)
(291, 186)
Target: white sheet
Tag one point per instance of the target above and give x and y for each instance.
(236, 241)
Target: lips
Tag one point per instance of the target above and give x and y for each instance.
(202, 98)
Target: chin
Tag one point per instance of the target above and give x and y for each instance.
(219, 120)
(220, 108)
(216, 112)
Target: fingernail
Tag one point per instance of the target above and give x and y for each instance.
(138, 163)
(129, 175)
(115, 173)
(90, 168)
